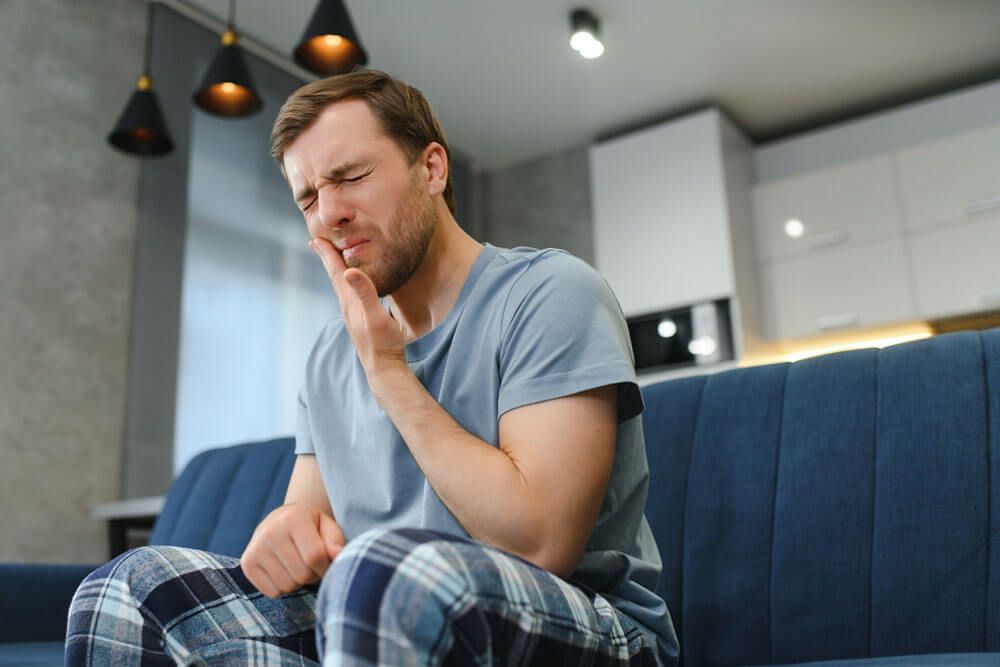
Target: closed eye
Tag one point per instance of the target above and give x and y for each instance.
(358, 178)
(309, 205)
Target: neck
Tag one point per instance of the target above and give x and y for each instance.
(428, 296)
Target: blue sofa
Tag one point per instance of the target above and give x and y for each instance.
(838, 509)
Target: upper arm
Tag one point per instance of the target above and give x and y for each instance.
(564, 449)
(306, 484)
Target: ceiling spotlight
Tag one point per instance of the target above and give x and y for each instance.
(330, 45)
(586, 34)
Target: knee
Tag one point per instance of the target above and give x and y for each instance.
(392, 547)
(407, 583)
(132, 574)
(402, 564)
(115, 588)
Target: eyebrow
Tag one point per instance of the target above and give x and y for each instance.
(335, 174)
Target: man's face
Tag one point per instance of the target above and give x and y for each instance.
(356, 188)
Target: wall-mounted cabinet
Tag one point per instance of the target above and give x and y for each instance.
(848, 268)
(907, 234)
(661, 228)
(844, 287)
(956, 269)
(672, 219)
(847, 204)
(951, 180)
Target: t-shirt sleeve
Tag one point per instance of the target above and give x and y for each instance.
(303, 432)
(303, 425)
(563, 332)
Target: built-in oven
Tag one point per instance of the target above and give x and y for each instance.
(699, 334)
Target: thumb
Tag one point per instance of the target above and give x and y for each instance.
(332, 535)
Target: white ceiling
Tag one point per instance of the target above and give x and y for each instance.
(507, 87)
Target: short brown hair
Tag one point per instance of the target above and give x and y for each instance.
(401, 110)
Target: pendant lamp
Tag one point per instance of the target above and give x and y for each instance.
(330, 45)
(227, 89)
(140, 129)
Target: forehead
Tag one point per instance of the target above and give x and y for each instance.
(344, 131)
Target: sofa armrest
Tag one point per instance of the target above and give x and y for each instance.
(34, 599)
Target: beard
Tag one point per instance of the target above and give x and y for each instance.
(412, 228)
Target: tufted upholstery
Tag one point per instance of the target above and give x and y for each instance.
(215, 504)
(222, 494)
(838, 507)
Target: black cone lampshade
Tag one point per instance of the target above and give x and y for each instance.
(141, 129)
(330, 45)
(227, 89)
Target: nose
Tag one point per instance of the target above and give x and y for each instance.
(333, 209)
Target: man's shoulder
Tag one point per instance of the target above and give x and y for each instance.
(534, 265)
(552, 284)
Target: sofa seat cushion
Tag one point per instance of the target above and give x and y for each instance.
(31, 654)
(930, 660)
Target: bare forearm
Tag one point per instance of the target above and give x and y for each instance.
(478, 482)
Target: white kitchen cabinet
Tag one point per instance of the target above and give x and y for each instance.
(956, 269)
(843, 287)
(853, 203)
(661, 224)
(952, 179)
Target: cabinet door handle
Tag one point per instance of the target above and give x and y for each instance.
(990, 298)
(828, 239)
(981, 205)
(837, 321)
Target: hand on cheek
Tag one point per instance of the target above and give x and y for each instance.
(378, 339)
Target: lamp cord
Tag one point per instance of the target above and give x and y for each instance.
(232, 13)
(149, 38)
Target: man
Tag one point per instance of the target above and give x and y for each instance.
(470, 473)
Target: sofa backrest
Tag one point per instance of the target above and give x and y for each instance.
(837, 507)
(222, 494)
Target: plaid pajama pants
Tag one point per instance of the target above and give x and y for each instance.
(393, 597)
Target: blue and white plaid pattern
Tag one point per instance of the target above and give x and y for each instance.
(393, 597)
(421, 597)
(167, 605)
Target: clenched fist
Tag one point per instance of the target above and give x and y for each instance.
(293, 546)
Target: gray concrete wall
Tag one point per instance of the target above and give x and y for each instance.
(147, 459)
(68, 215)
(543, 203)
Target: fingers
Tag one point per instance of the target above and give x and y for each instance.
(376, 336)
(332, 261)
(311, 552)
(287, 551)
(332, 536)
(259, 576)
(291, 561)
(353, 286)
(265, 571)
(342, 277)
(363, 287)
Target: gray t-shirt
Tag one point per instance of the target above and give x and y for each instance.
(528, 326)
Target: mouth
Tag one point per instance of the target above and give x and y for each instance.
(351, 251)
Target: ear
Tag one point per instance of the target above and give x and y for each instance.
(435, 162)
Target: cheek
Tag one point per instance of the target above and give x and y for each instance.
(312, 225)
